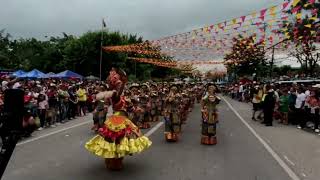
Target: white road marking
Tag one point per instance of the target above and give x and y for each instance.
(150, 132)
(154, 129)
(289, 161)
(52, 133)
(290, 172)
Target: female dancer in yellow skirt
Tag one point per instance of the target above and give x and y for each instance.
(118, 137)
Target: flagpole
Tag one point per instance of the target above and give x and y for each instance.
(102, 31)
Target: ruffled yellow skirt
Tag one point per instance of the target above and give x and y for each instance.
(105, 149)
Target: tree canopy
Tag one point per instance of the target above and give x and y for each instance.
(80, 54)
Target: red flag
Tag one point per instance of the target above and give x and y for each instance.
(258, 23)
(312, 1)
(296, 9)
(284, 5)
(243, 18)
(262, 14)
(314, 12)
(261, 29)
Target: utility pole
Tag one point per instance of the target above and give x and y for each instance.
(271, 63)
(101, 43)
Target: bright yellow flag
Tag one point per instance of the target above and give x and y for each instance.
(307, 25)
(313, 18)
(234, 21)
(272, 11)
(295, 2)
(299, 15)
(287, 35)
(254, 14)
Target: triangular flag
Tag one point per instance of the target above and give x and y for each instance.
(296, 9)
(263, 12)
(295, 3)
(312, 1)
(284, 5)
(243, 18)
(234, 21)
(272, 10)
(299, 15)
(254, 14)
(307, 25)
(313, 18)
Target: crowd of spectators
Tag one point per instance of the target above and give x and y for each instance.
(287, 103)
(51, 102)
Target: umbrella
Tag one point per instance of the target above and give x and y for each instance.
(33, 74)
(92, 77)
(68, 74)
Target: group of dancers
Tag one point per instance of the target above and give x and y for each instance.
(136, 105)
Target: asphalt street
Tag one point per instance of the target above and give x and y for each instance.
(239, 155)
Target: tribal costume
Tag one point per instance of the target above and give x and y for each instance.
(171, 115)
(144, 101)
(118, 137)
(209, 116)
(155, 106)
(185, 105)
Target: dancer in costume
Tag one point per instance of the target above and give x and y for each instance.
(155, 104)
(144, 101)
(118, 137)
(185, 105)
(135, 112)
(171, 114)
(100, 110)
(209, 116)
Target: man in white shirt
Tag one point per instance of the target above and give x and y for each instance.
(301, 98)
(241, 90)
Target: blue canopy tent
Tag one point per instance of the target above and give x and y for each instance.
(48, 75)
(33, 74)
(68, 74)
(18, 73)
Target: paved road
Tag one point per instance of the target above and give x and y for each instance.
(238, 156)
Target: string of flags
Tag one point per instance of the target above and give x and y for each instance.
(268, 27)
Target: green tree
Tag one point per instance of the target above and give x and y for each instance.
(246, 57)
(304, 33)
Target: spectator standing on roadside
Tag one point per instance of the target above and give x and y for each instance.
(82, 95)
(313, 102)
(292, 101)
(240, 93)
(268, 106)
(284, 106)
(299, 106)
(42, 109)
(73, 101)
(256, 100)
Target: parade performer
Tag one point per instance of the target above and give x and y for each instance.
(136, 111)
(171, 115)
(144, 101)
(209, 116)
(100, 110)
(199, 92)
(155, 105)
(185, 105)
(118, 137)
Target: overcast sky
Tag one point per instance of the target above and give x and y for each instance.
(151, 19)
